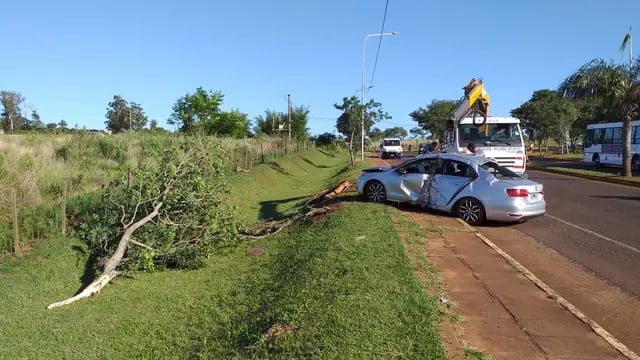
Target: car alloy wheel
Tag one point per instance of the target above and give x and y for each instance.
(376, 192)
(471, 211)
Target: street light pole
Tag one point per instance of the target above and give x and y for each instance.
(364, 44)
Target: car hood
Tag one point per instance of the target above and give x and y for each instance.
(376, 169)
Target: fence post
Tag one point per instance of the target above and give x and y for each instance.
(63, 212)
(246, 158)
(16, 234)
(261, 154)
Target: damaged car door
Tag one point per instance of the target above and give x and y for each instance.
(447, 183)
(412, 178)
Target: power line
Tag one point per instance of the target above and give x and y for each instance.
(375, 64)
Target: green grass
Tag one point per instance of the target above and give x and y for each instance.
(338, 288)
(603, 175)
(569, 156)
(275, 189)
(471, 353)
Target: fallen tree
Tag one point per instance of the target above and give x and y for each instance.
(174, 214)
(313, 207)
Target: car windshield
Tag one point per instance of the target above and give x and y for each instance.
(499, 172)
(402, 163)
(392, 143)
(491, 134)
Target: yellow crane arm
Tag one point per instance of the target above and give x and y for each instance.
(476, 100)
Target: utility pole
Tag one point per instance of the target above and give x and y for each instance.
(289, 113)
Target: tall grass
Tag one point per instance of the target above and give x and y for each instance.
(40, 167)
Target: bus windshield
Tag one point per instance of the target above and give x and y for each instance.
(491, 134)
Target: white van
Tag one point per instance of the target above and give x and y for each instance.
(391, 147)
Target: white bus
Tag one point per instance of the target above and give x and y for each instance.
(603, 144)
(500, 138)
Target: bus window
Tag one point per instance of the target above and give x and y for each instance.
(598, 136)
(617, 136)
(588, 138)
(608, 136)
(636, 137)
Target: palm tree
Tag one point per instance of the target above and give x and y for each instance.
(618, 89)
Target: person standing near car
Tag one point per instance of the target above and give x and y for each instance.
(472, 150)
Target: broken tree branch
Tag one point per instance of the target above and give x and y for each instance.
(109, 271)
(134, 242)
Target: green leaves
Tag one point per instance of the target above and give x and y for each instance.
(350, 121)
(549, 114)
(434, 117)
(124, 116)
(200, 112)
(188, 177)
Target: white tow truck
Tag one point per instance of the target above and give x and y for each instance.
(499, 138)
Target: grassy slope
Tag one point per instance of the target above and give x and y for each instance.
(348, 293)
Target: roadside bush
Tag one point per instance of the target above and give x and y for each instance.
(39, 221)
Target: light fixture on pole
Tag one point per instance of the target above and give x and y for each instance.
(364, 44)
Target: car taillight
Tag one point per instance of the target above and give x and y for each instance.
(518, 192)
(542, 192)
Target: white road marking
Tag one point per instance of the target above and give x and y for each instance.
(606, 238)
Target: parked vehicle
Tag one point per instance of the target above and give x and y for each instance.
(391, 147)
(471, 187)
(603, 144)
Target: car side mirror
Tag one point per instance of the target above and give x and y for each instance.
(401, 171)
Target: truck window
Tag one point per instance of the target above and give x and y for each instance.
(391, 143)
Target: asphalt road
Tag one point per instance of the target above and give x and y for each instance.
(594, 224)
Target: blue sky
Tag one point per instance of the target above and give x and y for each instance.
(68, 58)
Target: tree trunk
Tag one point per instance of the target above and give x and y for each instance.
(626, 152)
(109, 270)
(352, 152)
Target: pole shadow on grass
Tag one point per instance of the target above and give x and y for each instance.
(324, 152)
(275, 166)
(269, 209)
(314, 164)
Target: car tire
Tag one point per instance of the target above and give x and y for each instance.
(374, 191)
(471, 211)
(635, 162)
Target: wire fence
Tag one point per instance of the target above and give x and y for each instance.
(251, 152)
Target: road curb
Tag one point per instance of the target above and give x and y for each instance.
(622, 348)
(590, 177)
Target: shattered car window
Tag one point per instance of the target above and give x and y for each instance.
(499, 172)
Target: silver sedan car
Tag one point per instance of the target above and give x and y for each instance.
(471, 187)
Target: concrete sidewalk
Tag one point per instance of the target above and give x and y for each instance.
(505, 315)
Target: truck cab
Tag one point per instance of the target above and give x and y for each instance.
(391, 147)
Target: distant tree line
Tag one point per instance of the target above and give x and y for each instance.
(198, 112)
